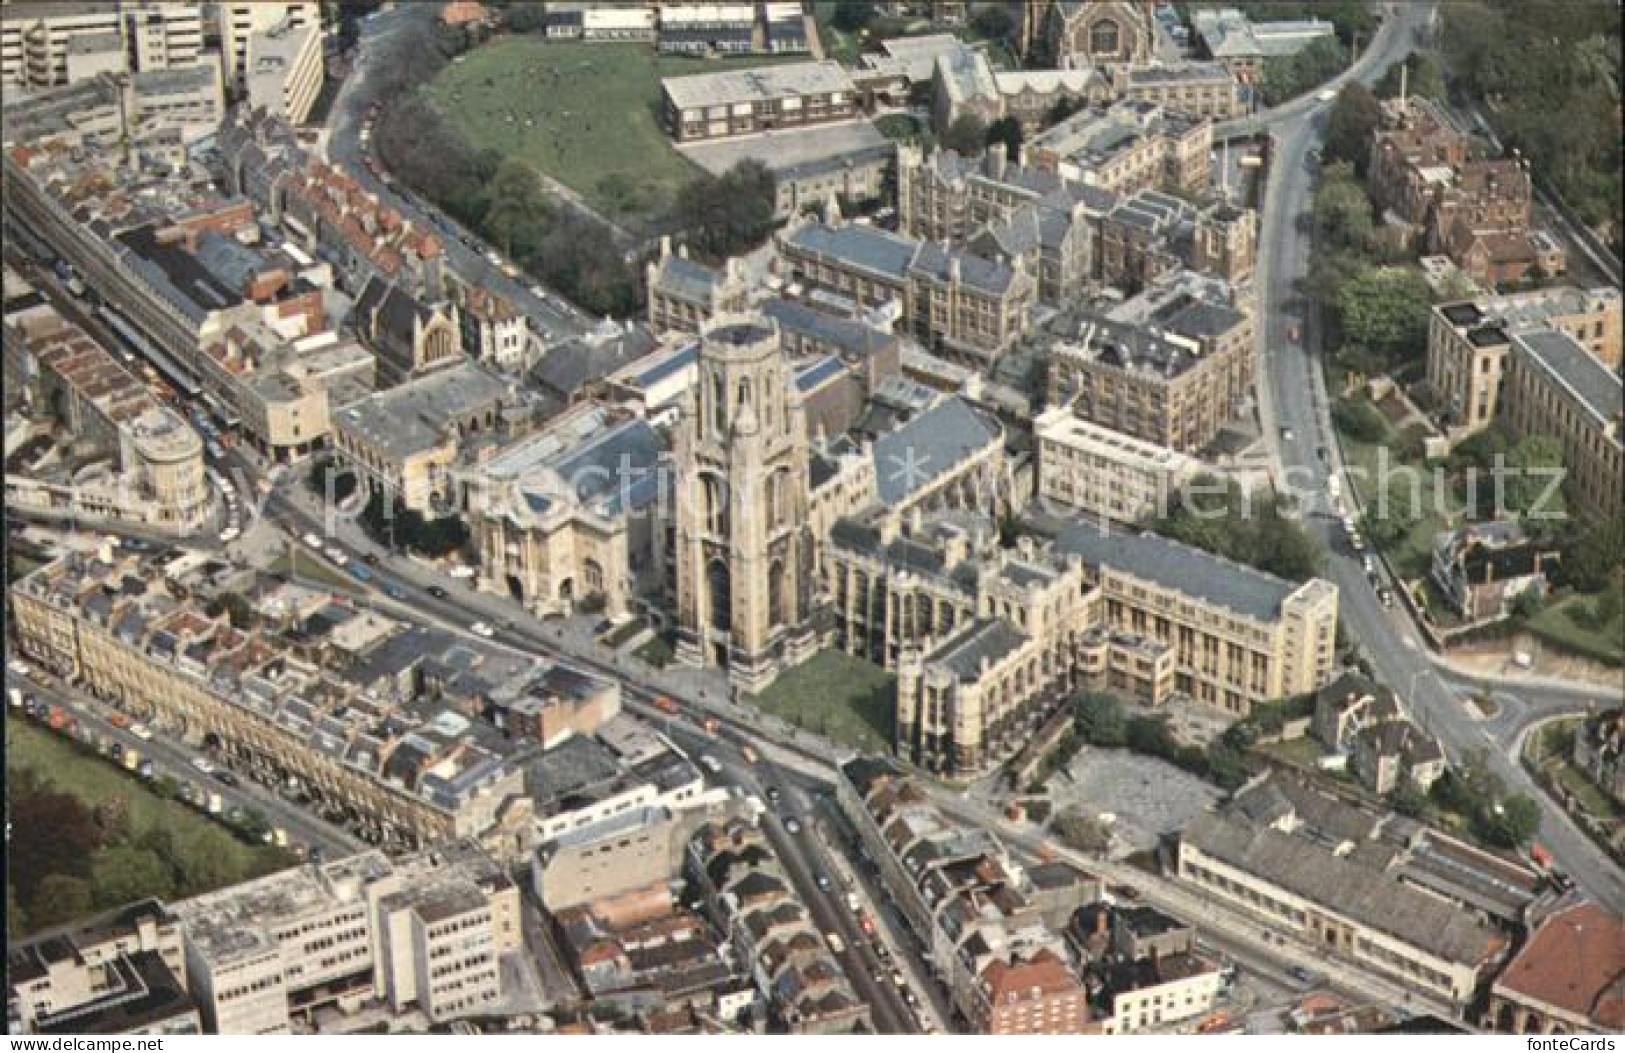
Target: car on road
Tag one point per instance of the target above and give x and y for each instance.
(370, 559)
(824, 883)
(898, 980)
(483, 630)
(142, 732)
(437, 591)
(835, 942)
(313, 541)
(360, 573)
(337, 555)
(202, 764)
(1386, 596)
(792, 825)
(225, 778)
(395, 592)
(773, 794)
(712, 765)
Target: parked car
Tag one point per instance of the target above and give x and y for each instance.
(437, 592)
(712, 765)
(482, 630)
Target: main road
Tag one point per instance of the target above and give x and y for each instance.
(1297, 424)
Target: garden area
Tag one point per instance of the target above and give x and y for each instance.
(86, 836)
(838, 696)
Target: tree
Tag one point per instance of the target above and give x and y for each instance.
(1425, 78)
(1288, 76)
(517, 209)
(525, 16)
(1359, 420)
(1407, 799)
(326, 479)
(966, 136)
(1386, 309)
(1593, 553)
(1101, 721)
(1150, 735)
(1510, 823)
(1353, 118)
(122, 874)
(1343, 215)
(60, 898)
(1531, 467)
(853, 15)
(1079, 830)
(1006, 130)
(729, 214)
(16, 920)
(51, 833)
(993, 22)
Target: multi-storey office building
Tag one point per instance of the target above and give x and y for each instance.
(739, 102)
(1557, 388)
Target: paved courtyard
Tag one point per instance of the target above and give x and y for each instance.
(1149, 797)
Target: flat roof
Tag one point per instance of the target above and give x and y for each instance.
(754, 85)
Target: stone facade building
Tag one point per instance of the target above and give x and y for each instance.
(685, 295)
(1469, 342)
(1240, 636)
(1555, 387)
(743, 549)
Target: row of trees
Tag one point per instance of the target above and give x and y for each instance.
(401, 527)
(1251, 528)
(1102, 721)
(500, 198)
(1547, 77)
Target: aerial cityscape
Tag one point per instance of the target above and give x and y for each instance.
(813, 517)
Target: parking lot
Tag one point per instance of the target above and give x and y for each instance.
(1148, 797)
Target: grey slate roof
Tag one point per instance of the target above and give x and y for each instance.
(989, 639)
(1156, 559)
(1588, 381)
(1362, 893)
(875, 251)
(915, 455)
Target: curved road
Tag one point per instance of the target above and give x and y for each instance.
(1293, 402)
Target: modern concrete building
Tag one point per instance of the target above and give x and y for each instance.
(239, 20)
(118, 973)
(283, 69)
(740, 102)
(425, 931)
(47, 45)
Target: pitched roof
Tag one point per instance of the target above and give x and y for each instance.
(1575, 961)
(917, 454)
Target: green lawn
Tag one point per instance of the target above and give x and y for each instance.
(837, 44)
(1302, 752)
(95, 781)
(585, 113)
(312, 571)
(1412, 553)
(1557, 624)
(844, 698)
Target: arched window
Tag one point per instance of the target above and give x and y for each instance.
(1104, 38)
(716, 581)
(594, 575)
(716, 505)
(777, 604)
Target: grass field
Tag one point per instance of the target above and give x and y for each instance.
(1412, 554)
(94, 781)
(1556, 624)
(312, 571)
(839, 696)
(585, 113)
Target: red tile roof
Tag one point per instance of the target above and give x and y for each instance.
(1576, 962)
